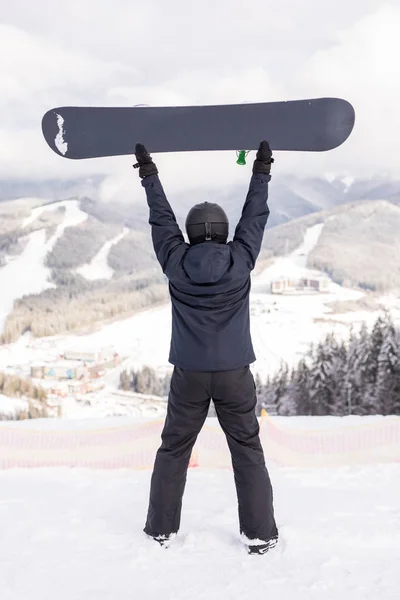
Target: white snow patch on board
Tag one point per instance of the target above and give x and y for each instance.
(61, 144)
(99, 268)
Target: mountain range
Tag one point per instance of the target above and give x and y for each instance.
(96, 257)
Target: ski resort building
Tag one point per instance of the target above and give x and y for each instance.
(285, 285)
(92, 356)
(77, 366)
(62, 369)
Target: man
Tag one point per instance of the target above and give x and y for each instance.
(211, 350)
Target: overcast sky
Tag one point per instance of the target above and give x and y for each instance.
(126, 52)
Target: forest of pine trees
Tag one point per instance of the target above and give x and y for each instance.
(360, 377)
(17, 387)
(357, 377)
(76, 303)
(144, 381)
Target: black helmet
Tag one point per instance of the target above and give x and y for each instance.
(207, 221)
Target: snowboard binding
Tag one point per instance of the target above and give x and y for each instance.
(241, 156)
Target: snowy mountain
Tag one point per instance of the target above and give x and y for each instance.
(283, 326)
(49, 190)
(70, 264)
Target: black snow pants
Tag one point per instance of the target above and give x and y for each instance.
(234, 396)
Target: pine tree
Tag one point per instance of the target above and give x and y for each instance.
(320, 392)
(396, 388)
(358, 385)
(360, 377)
(287, 403)
(300, 389)
(146, 381)
(387, 371)
(125, 380)
(268, 393)
(279, 387)
(165, 385)
(259, 384)
(260, 393)
(41, 395)
(336, 355)
(377, 337)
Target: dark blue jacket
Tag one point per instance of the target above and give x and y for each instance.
(209, 283)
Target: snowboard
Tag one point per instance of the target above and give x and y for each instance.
(313, 125)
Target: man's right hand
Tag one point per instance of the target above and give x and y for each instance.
(262, 164)
(144, 162)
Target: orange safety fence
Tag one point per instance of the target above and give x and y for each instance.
(134, 445)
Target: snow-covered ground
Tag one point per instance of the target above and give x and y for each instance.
(294, 264)
(283, 326)
(77, 534)
(27, 274)
(73, 534)
(9, 406)
(37, 211)
(98, 268)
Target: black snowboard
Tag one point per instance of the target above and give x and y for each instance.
(309, 125)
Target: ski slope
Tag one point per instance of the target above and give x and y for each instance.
(282, 326)
(75, 534)
(36, 212)
(294, 264)
(27, 273)
(98, 268)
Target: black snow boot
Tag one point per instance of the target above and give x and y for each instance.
(163, 540)
(263, 548)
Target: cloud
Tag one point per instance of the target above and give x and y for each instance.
(37, 75)
(127, 53)
(33, 65)
(363, 67)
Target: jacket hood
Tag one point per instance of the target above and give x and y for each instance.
(207, 262)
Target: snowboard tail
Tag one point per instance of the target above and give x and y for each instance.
(314, 125)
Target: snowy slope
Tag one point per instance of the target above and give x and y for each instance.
(27, 274)
(98, 268)
(282, 328)
(293, 265)
(36, 212)
(74, 534)
(10, 406)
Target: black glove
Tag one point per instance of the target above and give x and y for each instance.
(144, 162)
(264, 160)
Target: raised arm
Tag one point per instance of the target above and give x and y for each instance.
(165, 230)
(250, 229)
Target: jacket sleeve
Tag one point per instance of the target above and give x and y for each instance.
(165, 232)
(250, 229)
